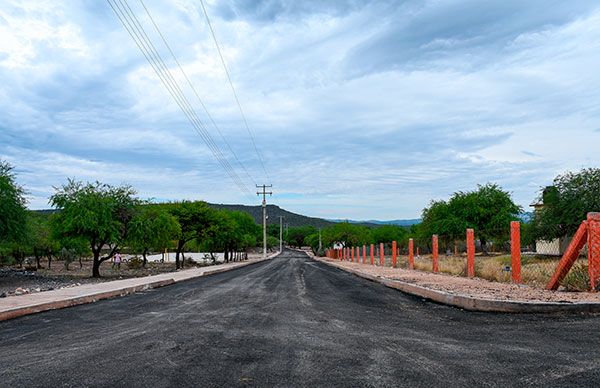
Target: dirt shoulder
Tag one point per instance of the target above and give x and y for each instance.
(474, 288)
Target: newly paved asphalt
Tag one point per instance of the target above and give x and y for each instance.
(293, 322)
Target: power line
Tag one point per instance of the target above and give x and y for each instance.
(196, 93)
(237, 100)
(144, 43)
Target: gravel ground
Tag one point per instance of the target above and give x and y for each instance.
(473, 287)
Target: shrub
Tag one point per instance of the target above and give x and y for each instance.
(135, 263)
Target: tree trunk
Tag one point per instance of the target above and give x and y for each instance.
(144, 252)
(226, 255)
(49, 261)
(37, 260)
(96, 264)
(80, 263)
(180, 245)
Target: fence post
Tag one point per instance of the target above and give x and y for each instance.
(411, 256)
(372, 255)
(593, 242)
(364, 254)
(394, 253)
(381, 254)
(470, 253)
(515, 250)
(434, 254)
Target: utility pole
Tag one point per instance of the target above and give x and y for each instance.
(280, 234)
(264, 193)
(320, 242)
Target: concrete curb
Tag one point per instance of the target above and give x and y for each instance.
(470, 303)
(94, 296)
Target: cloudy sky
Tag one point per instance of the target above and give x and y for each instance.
(359, 109)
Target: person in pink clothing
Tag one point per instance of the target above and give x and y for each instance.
(117, 260)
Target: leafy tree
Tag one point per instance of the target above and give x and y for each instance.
(346, 234)
(195, 219)
(13, 215)
(152, 227)
(488, 210)
(272, 242)
(41, 240)
(567, 203)
(98, 213)
(389, 233)
(296, 235)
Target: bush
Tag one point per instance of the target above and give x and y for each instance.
(135, 263)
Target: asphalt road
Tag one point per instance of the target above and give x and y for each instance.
(293, 322)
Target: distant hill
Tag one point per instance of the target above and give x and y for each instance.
(273, 212)
(408, 222)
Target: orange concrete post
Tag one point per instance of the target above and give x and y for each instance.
(434, 253)
(411, 256)
(470, 253)
(353, 254)
(372, 255)
(364, 254)
(394, 253)
(593, 242)
(381, 254)
(515, 250)
(569, 257)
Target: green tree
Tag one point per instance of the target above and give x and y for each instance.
(13, 215)
(346, 234)
(567, 203)
(152, 227)
(488, 210)
(41, 240)
(388, 233)
(96, 212)
(296, 235)
(195, 219)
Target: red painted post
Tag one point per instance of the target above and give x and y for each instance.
(345, 253)
(364, 254)
(381, 254)
(411, 256)
(372, 255)
(470, 253)
(515, 250)
(353, 254)
(394, 253)
(434, 255)
(593, 221)
(570, 255)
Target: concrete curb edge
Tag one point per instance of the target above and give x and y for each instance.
(472, 303)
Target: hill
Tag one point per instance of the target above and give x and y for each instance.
(273, 213)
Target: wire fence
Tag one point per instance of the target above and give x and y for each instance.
(492, 257)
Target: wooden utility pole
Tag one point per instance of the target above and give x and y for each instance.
(280, 234)
(264, 193)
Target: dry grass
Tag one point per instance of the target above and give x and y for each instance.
(535, 271)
